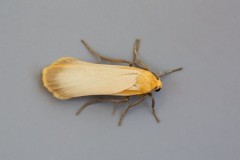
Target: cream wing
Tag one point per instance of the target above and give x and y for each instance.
(69, 77)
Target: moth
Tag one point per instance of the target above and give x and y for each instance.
(70, 77)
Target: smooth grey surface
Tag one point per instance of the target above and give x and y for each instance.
(199, 107)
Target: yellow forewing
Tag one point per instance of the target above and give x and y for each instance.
(69, 77)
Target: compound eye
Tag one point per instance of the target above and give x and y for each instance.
(157, 90)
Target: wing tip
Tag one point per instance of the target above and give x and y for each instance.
(49, 76)
(46, 83)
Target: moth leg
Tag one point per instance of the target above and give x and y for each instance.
(100, 57)
(116, 106)
(130, 106)
(101, 100)
(153, 107)
(169, 72)
(136, 61)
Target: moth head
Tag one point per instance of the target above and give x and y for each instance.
(158, 83)
(157, 89)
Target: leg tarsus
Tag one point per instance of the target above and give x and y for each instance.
(153, 107)
(86, 105)
(136, 50)
(130, 106)
(100, 57)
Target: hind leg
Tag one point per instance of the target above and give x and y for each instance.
(100, 57)
(98, 100)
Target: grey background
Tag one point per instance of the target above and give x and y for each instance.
(199, 107)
